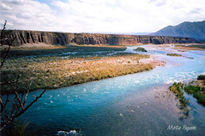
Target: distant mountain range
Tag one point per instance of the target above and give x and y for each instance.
(186, 29)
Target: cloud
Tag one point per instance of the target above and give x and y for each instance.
(116, 16)
(196, 11)
(26, 14)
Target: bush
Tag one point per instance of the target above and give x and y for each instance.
(201, 77)
(197, 92)
(173, 54)
(140, 49)
(176, 88)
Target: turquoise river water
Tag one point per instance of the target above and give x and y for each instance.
(131, 105)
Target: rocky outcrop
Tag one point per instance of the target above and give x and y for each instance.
(24, 37)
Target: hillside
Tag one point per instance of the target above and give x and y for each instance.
(186, 29)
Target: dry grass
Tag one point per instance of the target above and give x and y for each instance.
(173, 54)
(190, 47)
(52, 72)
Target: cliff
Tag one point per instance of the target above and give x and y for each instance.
(23, 37)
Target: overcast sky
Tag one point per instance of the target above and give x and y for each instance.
(106, 16)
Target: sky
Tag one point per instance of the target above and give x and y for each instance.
(99, 16)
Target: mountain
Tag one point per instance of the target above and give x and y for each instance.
(186, 29)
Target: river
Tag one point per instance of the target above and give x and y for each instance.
(130, 105)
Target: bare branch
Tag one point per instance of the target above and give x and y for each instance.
(10, 119)
(35, 99)
(25, 98)
(19, 100)
(5, 56)
(5, 39)
(3, 105)
(3, 29)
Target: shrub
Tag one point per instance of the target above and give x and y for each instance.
(176, 88)
(173, 54)
(201, 77)
(141, 49)
(197, 92)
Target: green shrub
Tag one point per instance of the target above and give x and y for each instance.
(190, 89)
(197, 92)
(141, 49)
(201, 77)
(176, 88)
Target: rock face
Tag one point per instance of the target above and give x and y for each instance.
(23, 37)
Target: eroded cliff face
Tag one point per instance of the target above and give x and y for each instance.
(24, 37)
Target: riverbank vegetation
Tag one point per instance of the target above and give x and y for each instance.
(201, 46)
(140, 49)
(196, 89)
(58, 50)
(182, 47)
(177, 89)
(197, 92)
(173, 54)
(55, 72)
(201, 77)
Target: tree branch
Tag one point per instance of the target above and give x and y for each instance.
(10, 119)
